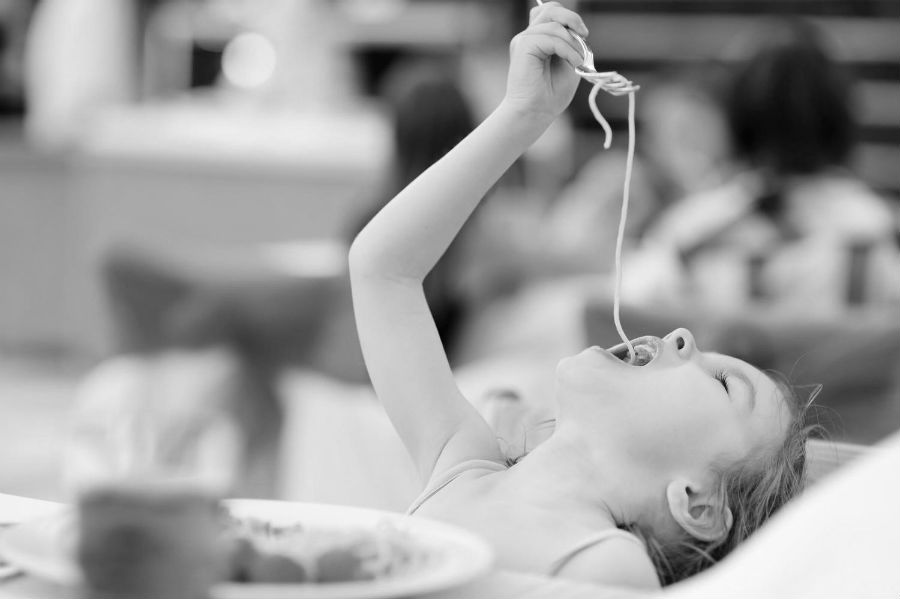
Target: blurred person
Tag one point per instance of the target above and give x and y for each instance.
(430, 115)
(158, 301)
(655, 469)
(793, 262)
(532, 255)
(794, 228)
(269, 320)
(683, 148)
(167, 309)
(14, 18)
(80, 57)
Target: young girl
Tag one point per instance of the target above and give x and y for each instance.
(652, 473)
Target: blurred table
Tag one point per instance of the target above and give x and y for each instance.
(496, 585)
(200, 172)
(176, 175)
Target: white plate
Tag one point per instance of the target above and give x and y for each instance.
(44, 548)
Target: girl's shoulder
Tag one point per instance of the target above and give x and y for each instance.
(611, 557)
(441, 480)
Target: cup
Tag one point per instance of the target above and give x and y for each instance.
(148, 541)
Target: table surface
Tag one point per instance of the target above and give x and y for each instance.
(499, 584)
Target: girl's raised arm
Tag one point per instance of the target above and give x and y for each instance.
(391, 256)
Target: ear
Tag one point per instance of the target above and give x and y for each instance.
(698, 511)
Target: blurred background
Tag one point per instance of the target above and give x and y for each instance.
(178, 175)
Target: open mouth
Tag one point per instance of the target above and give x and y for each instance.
(645, 349)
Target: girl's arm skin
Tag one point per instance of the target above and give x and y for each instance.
(391, 256)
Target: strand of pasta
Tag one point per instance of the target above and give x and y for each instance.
(617, 293)
(617, 85)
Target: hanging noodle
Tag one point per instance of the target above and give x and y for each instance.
(617, 85)
(629, 162)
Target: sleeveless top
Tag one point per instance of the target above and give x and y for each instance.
(437, 483)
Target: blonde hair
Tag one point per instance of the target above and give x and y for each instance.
(753, 489)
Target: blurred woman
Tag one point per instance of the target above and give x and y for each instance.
(795, 228)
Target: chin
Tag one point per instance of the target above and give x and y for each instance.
(577, 369)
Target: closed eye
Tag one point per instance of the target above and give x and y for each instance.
(722, 377)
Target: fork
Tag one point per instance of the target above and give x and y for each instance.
(610, 81)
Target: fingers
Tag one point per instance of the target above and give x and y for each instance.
(555, 12)
(548, 39)
(551, 18)
(552, 38)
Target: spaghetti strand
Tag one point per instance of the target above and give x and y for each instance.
(615, 84)
(620, 237)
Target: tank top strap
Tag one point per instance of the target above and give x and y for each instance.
(446, 477)
(590, 541)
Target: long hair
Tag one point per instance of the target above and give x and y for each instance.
(753, 489)
(789, 106)
(429, 115)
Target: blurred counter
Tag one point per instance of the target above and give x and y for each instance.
(180, 177)
(213, 134)
(32, 225)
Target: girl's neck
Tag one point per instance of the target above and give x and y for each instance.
(562, 474)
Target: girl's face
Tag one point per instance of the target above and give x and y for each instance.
(684, 408)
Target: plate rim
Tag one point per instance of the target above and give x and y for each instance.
(478, 558)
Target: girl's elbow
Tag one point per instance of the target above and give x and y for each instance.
(370, 260)
(359, 258)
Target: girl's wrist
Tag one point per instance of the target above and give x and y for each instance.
(523, 121)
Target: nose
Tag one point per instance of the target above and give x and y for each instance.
(684, 342)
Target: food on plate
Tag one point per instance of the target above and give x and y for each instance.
(262, 552)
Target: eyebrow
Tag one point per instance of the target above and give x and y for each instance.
(746, 379)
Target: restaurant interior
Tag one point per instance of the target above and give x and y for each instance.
(180, 181)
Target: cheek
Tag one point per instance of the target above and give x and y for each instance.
(678, 427)
(679, 444)
(704, 438)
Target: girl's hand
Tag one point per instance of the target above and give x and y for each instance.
(542, 80)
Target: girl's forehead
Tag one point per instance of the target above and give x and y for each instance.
(773, 411)
(764, 388)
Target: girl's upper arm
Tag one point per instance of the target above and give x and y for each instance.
(412, 377)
